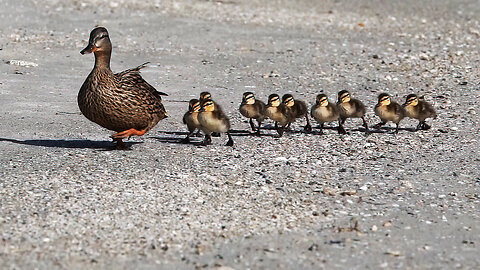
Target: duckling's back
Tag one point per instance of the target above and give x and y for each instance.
(256, 110)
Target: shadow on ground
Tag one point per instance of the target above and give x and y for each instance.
(86, 144)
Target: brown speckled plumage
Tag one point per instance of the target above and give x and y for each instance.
(120, 101)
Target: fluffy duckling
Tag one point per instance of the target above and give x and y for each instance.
(123, 102)
(207, 96)
(212, 119)
(419, 109)
(299, 109)
(350, 108)
(388, 110)
(323, 111)
(190, 118)
(253, 109)
(279, 112)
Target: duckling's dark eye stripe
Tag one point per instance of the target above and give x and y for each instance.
(384, 98)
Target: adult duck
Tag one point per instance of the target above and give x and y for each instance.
(123, 102)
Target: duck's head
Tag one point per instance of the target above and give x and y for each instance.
(288, 100)
(273, 100)
(412, 100)
(208, 106)
(194, 105)
(98, 42)
(205, 96)
(322, 100)
(343, 96)
(248, 98)
(384, 99)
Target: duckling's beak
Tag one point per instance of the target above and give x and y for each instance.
(162, 93)
(89, 49)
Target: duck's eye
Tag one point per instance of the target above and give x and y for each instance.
(101, 37)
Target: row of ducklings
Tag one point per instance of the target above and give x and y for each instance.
(206, 115)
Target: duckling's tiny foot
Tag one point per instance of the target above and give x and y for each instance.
(308, 128)
(379, 125)
(215, 134)
(229, 143)
(425, 126)
(341, 130)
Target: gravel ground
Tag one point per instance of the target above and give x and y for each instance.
(303, 201)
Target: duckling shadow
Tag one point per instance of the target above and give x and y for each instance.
(69, 144)
(175, 140)
(248, 133)
(385, 130)
(173, 132)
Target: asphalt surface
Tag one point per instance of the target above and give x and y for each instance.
(303, 201)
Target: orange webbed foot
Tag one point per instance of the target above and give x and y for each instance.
(128, 133)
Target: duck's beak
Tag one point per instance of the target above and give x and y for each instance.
(89, 49)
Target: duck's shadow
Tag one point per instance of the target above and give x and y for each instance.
(69, 144)
(197, 139)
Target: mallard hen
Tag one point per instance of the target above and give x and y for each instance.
(123, 102)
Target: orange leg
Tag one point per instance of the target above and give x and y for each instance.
(128, 133)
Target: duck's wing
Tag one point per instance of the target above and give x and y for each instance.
(132, 77)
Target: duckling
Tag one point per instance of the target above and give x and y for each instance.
(253, 108)
(388, 110)
(418, 108)
(279, 113)
(123, 102)
(299, 109)
(324, 111)
(212, 119)
(207, 96)
(190, 118)
(350, 108)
